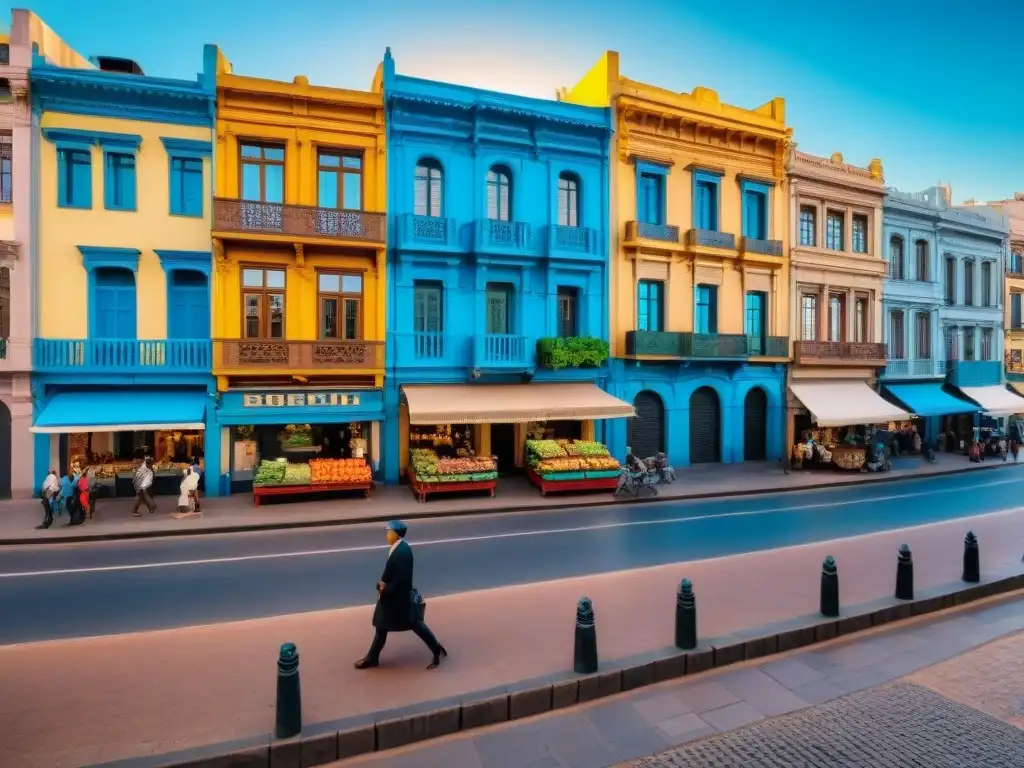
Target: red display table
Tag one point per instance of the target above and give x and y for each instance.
(422, 490)
(258, 491)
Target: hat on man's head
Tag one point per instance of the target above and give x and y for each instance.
(398, 527)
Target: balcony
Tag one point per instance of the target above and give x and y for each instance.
(427, 233)
(9, 250)
(572, 242)
(251, 217)
(768, 346)
(840, 353)
(762, 247)
(974, 373)
(250, 355)
(710, 238)
(430, 349)
(658, 233)
(915, 369)
(702, 346)
(503, 351)
(122, 355)
(503, 236)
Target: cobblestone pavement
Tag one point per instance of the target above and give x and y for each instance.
(892, 726)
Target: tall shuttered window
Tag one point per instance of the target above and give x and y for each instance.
(428, 189)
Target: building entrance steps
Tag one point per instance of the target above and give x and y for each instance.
(160, 692)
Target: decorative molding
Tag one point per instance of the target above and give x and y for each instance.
(189, 261)
(187, 147)
(98, 257)
(300, 254)
(478, 107)
(74, 138)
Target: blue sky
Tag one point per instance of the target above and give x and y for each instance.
(931, 88)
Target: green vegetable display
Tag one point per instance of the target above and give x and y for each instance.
(544, 449)
(590, 448)
(270, 473)
(297, 474)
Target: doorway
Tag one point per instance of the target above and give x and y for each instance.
(705, 427)
(755, 425)
(5, 452)
(503, 447)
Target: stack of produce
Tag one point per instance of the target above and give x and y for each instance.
(578, 460)
(296, 474)
(428, 468)
(270, 472)
(335, 471)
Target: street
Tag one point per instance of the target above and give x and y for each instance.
(116, 587)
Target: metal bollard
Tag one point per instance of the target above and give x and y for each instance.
(686, 616)
(972, 558)
(584, 660)
(289, 699)
(905, 575)
(829, 588)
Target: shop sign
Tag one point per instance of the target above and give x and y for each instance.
(298, 399)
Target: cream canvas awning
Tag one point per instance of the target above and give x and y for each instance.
(845, 404)
(511, 403)
(997, 401)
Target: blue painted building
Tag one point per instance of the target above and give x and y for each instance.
(498, 217)
(122, 170)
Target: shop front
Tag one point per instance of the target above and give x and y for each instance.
(942, 418)
(295, 441)
(456, 437)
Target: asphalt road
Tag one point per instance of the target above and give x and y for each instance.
(76, 590)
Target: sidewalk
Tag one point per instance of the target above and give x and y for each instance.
(236, 513)
(83, 702)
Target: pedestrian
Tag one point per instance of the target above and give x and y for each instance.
(1014, 448)
(398, 603)
(198, 471)
(82, 486)
(49, 495)
(67, 497)
(143, 481)
(186, 494)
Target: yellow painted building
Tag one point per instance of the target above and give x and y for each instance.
(699, 268)
(299, 235)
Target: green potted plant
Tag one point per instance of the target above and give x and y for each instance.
(571, 352)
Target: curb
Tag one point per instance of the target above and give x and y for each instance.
(426, 514)
(324, 743)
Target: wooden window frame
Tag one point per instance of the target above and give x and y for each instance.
(342, 298)
(262, 162)
(867, 327)
(569, 295)
(898, 351)
(833, 213)
(812, 211)
(341, 153)
(815, 313)
(840, 298)
(264, 292)
(922, 257)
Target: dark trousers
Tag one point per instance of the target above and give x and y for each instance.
(143, 497)
(47, 513)
(421, 630)
(75, 511)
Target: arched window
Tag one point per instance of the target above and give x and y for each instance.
(188, 305)
(921, 259)
(428, 189)
(968, 283)
(897, 270)
(113, 310)
(568, 200)
(499, 193)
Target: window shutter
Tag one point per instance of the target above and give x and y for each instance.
(435, 193)
(420, 192)
(192, 188)
(492, 199)
(563, 203)
(712, 308)
(177, 185)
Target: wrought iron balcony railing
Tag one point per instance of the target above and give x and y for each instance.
(249, 216)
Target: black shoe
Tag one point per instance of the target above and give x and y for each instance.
(441, 654)
(366, 663)
(42, 527)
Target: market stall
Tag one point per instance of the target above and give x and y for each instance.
(282, 477)
(429, 473)
(578, 465)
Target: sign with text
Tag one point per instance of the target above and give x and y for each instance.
(298, 399)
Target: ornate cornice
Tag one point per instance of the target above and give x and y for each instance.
(189, 261)
(484, 107)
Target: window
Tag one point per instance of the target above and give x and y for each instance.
(1015, 310)
(1017, 262)
(860, 319)
(499, 194)
(263, 302)
(74, 178)
(968, 283)
(705, 309)
(860, 233)
(808, 225)
(754, 323)
(649, 305)
(119, 182)
(650, 202)
(263, 173)
(5, 303)
(499, 309)
(339, 180)
(341, 305)
(188, 305)
(186, 186)
(6, 179)
(428, 297)
(897, 338)
(568, 319)
(923, 339)
(834, 231)
(836, 317)
(986, 284)
(986, 344)
(897, 268)
(113, 307)
(755, 210)
(969, 343)
(809, 317)
(950, 288)
(952, 344)
(428, 189)
(568, 200)
(921, 259)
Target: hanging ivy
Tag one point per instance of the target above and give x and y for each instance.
(571, 352)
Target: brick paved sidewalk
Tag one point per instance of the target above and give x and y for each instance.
(19, 518)
(80, 702)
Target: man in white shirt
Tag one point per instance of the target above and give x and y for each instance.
(143, 481)
(50, 489)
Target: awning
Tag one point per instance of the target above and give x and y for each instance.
(997, 401)
(511, 403)
(122, 411)
(845, 403)
(1018, 387)
(929, 399)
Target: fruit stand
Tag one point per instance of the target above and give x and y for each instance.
(429, 474)
(557, 466)
(285, 478)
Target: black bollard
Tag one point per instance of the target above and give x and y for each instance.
(905, 575)
(829, 588)
(289, 699)
(972, 558)
(584, 659)
(686, 617)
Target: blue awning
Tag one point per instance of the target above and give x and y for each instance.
(929, 399)
(122, 410)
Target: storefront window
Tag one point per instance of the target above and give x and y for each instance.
(449, 441)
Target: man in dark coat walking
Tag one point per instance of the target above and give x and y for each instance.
(396, 611)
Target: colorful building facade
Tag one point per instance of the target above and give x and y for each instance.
(699, 286)
(299, 234)
(497, 307)
(1013, 294)
(121, 242)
